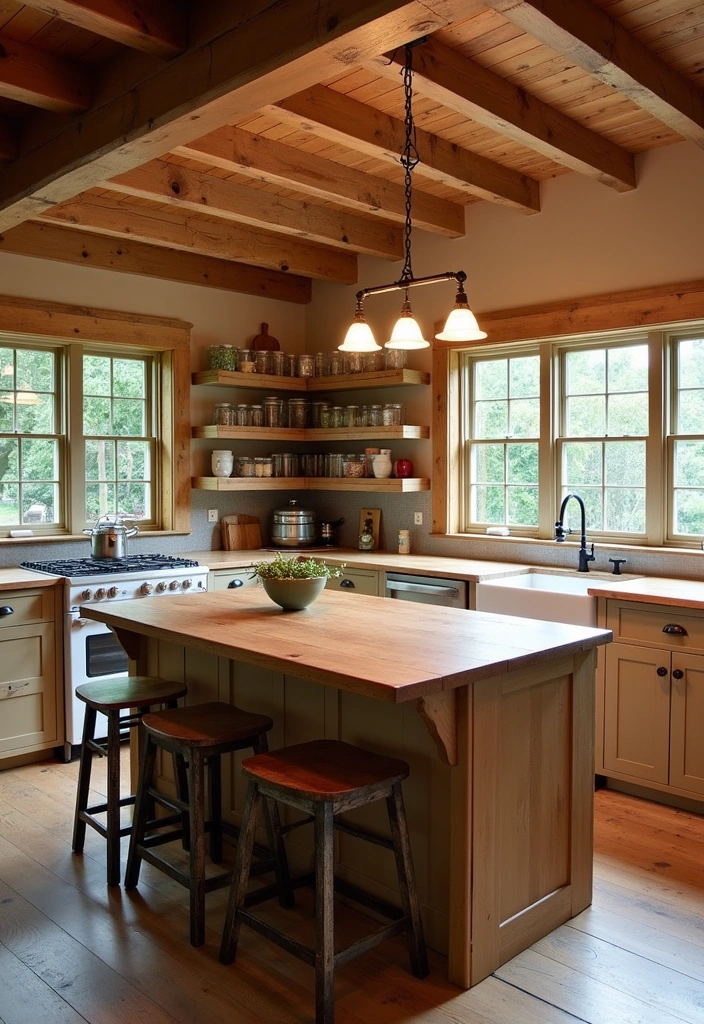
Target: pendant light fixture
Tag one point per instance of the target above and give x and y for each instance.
(461, 325)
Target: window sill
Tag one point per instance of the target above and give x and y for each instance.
(57, 538)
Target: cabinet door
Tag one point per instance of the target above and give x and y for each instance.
(637, 712)
(28, 712)
(356, 581)
(687, 723)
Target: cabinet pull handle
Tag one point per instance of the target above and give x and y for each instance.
(348, 584)
(7, 610)
(674, 630)
(234, 584)
(678, 674)
(662, 671)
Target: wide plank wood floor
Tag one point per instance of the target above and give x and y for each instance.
(72, 950)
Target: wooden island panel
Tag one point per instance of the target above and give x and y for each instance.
(501, 840)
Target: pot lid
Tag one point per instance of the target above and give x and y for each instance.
(293, 514)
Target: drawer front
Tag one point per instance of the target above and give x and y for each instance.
(644, 624)
(28, 708)
(27, 606)
(222, 580)
(356, 581)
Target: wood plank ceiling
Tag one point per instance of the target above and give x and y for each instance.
(254, 146)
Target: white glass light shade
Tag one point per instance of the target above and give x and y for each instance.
(359, 337)
(461, 325)
(406, 333)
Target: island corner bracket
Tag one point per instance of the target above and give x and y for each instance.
(439, 712)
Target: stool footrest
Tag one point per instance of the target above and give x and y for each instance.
(298, 949)
(363, 833)
(366, 899)
(183, 877)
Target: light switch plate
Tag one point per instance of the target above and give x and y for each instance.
(417, 518)
(212, 515)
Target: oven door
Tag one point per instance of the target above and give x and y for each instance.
(91, 653)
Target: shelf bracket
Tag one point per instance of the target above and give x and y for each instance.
(439, 712)
(129, 641)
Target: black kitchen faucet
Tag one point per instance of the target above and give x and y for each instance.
(584, 557)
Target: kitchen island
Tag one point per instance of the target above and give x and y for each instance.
(495, 716)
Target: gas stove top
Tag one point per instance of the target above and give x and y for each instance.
(74, 567)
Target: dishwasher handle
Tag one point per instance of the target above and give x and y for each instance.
(421, 588)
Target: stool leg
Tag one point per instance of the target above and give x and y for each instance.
(139, 821)
(276, 843)
(406, 880)
(84, 772)
(324, 916)
(181, 777)
(215, 810)
(196, 799)
(240, 876)
(113, 813)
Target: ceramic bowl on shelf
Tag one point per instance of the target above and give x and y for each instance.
(293, 594)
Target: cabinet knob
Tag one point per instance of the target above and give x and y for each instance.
(674, 630)
(7, 610)
(662, 671)
(348, 584)
(234, 584)
(678, 673)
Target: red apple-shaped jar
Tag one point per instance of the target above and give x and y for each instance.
(403, 468)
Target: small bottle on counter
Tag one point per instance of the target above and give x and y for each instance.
(404, 542)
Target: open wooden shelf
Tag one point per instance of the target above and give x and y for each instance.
(343, 382)
(311, 434)
(308, 483)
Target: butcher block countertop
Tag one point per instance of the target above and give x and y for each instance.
(656, 590)
(381, 649)
(23, 579)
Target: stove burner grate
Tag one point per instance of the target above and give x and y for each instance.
(108, 566)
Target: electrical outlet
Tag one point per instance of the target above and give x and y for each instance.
(212, 515)
(417, 518)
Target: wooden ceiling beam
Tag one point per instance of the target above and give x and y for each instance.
(8, 139)
(594, 41)
(223, 240)
(43, 80)
(348, 122)
(165, 182)
(263, 51)
(128, 256)
(154, 26)
(449, 78)
(236, 150)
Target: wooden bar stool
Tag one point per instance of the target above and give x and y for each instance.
(324, 778)
(111, 697)
(198, 736)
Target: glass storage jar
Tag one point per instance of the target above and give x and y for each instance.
(223, 357)
(322, 364)
(333, 464)
(263, 466)
(337, 363)
(273, 409)
(276, 361)
(373, 361)
(298, 409)
(396, 358)
(245, 360)
(289, 364)
(354, 465)
(392, 414)
(243, 415)
(305, 365)
(262, 362)
(355, 362)
(317, 410)
(256, 414)
(376, 418)
(336, 416)
(245, 466)
(351, 416)
(224, 414)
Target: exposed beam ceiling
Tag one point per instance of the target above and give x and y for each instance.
(222, 239)
(463, 85)
(233, 149)
(339, 118)
(128, 256)
(44, 80)
(593, 40)
(262, 55)
(163, 182)
(154, 26)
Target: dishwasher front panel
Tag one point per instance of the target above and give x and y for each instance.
(426, 590)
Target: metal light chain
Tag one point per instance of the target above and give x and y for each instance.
(409, 158)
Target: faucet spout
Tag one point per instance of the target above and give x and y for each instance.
(585, 557)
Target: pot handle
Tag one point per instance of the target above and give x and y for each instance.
(131, 532)
(89, 533)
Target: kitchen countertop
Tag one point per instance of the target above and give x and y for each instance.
(22, 579)
(392, 653)
(655, 590)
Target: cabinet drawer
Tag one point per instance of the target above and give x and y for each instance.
(27, 606)
(356, 581)
(644, 624)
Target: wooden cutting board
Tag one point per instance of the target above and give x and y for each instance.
(240, 533)
(265, 341)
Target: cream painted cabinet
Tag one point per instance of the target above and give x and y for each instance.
(356, 581)
(654, 697)
(224, 579)
(31, 713)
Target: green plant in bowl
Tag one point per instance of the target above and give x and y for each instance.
(294, 583)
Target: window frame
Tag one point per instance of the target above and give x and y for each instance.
(660, 314)
(56, 324)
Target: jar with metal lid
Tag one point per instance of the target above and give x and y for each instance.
(224, 414)
(354, 465)
(396, 358)
(244, 357)
(376, 417)
(256, 414)
(262, 363)
(298, 409)
(245, 466)
(285, 464)
(392, 414)
(351, 416)
(336, 416)
(355, 362)
(289, 364)
(322, 364)
(333, 464)
(263, 466)
(317, 410)
(337, 363)
(243, 416)
(305, 365)
(276, 363)
(273, 409)
(223, 357)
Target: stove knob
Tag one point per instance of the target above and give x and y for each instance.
(161, 587)
(113, 591)
(187, 584)
(174, 585)
(99, 594)
(146, 588)
(86, 595)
